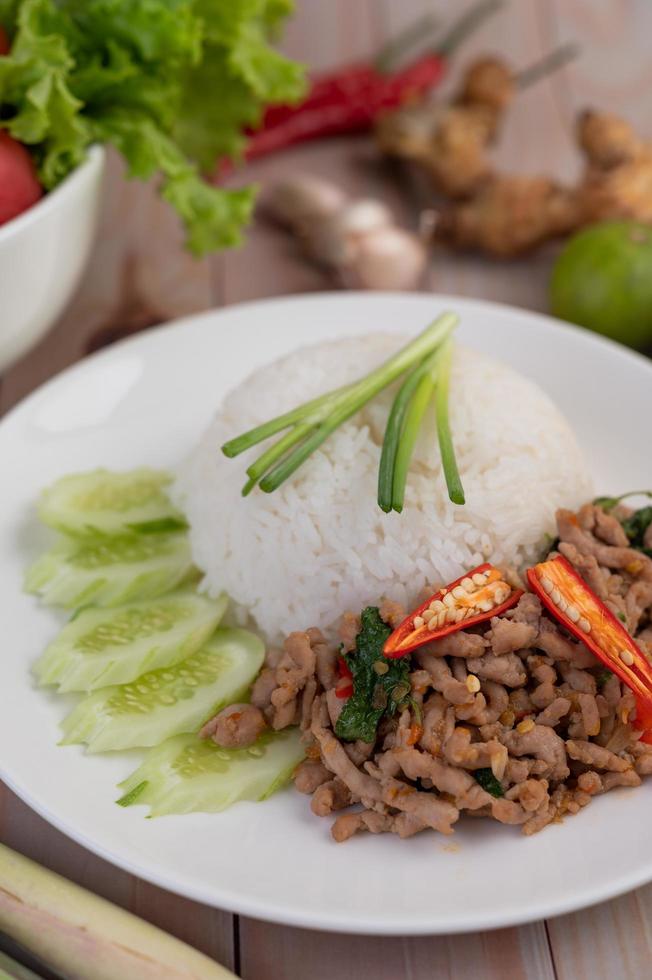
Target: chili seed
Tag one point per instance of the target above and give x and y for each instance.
(499, 763)
(525, 726)
(478, 578)
(381, 667)
(584, 625)
(418, 622)
(546, 585)
(573, 613)
(626, 657)
(472, 684)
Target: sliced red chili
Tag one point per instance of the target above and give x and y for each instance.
(344, 687)
(585, 616)
(469, 600)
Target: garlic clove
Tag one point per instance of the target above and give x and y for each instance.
(390, 258)
(363, 216)
(302, 199)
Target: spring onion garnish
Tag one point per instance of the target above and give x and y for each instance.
(310, 424)
(451, 472)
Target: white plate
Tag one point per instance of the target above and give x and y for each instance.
(147, 401)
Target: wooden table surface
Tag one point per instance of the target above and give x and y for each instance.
(139, 275)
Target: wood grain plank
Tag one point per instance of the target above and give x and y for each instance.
(610, 940)
(271, 953)
(208, 929)
(614, 72)
(323, 35)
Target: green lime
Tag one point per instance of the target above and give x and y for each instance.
(603, 280)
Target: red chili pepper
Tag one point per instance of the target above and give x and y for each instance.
(343, 102)
(4, 42)
(578, 609)
(350, 99)
(478, 595)
(344, 688)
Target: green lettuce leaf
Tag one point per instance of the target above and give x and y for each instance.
(171, 83)
(213, 216)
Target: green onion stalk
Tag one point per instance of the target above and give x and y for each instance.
(426, 363)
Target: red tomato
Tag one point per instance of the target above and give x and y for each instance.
(19, 186)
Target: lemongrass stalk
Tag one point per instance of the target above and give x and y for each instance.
(80, 935)
(449, 462)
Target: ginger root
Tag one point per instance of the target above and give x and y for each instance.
(450, 142)
(617, 183)
(509, 216)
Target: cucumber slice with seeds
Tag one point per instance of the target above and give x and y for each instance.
(186, 774)
(105, 502)
(109, 571)
(169, 701)
(99, 647)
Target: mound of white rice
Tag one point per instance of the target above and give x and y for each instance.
(320, 545)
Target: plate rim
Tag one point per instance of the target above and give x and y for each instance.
(282, 913)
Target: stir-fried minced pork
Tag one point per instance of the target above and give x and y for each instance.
(310, 775)
(235, 727)
(512, 719)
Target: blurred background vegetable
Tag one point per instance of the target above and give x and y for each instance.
(352, 98)
(603, 280)
(19, 186)
(170, 84)
(358, 241)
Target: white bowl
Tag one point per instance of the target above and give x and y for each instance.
(42, 256)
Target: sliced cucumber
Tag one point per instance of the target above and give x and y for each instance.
(168, 701)
(109, 571)
(186, 774)
(104, 502)
(99, 647)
